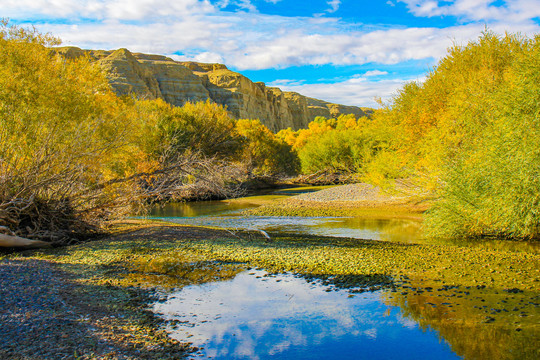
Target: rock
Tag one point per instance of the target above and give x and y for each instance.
(176, 83)
(129, 76)
(328, 110)
(156, 76)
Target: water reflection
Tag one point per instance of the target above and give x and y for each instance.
(200, 208)
(400, 230)
(478, 322)
(227, 213)
(255, 316)
(223, 207)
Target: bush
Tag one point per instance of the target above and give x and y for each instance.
(470, 134)
(59, 126)
(264, 154)
(73, 155)
(492, 186)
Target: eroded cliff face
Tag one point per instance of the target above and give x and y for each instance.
(156, 76)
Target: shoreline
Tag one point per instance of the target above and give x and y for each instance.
(100, 290)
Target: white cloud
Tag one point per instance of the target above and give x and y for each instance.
(163, 39)
(476, 10)
(334, 5)
(286, 82)
(251, 40)
(106, 9)
(375, 73)
(246, 5)
(205, 57)
(382, 46)
(356, 91)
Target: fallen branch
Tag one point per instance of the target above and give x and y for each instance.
(16, 241)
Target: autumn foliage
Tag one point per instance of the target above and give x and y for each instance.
(468, 135)
(73, 155)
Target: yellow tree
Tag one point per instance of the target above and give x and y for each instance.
(264, 153)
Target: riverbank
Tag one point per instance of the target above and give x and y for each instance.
(91, 299)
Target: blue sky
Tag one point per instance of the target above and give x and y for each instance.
(345, 51)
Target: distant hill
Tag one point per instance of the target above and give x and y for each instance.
(156, 76)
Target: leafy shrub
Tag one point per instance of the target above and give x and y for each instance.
(59, 126)
(263, 152)
(492, 186)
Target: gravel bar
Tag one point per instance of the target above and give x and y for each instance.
(351, 192)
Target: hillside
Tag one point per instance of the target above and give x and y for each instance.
(156, 76)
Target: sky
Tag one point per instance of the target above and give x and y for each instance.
(344, 51)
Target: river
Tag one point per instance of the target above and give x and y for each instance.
(260, 315)
(228, 213)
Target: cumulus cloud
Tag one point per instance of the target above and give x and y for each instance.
(106, 9)
(157, 38)
(246, 5)
(205, 57)
(357, 90)
(375, 73)
(381, 46)
(513, 10)
(256, 41)
(334, 5)
(250, 40)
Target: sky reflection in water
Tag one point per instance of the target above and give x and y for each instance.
(285, 317)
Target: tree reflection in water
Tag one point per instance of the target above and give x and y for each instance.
(478, 322)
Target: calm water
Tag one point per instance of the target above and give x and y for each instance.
(227, 213)
(255, 316)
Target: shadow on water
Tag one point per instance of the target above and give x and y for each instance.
(477, 322)
(257, 315)
(224, 207)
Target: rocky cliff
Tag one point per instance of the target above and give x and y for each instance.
(156, 76)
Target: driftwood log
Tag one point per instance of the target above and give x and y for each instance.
(16, 241)
(12, 240)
